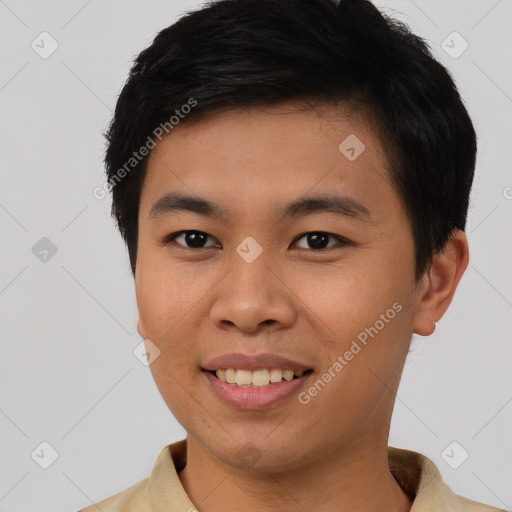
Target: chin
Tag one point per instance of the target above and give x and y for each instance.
(256, 454)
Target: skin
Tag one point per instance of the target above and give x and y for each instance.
(294, 300)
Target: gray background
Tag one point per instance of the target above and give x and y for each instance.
(68, 373)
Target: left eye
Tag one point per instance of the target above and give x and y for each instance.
(317, 240)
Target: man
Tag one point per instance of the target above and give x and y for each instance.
(291, 179)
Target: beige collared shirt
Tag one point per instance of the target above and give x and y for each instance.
(162, 491)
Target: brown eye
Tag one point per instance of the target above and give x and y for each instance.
(319, 240)
(191, 239)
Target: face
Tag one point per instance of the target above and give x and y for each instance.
(295, 260)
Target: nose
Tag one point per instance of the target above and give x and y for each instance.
(254, 296)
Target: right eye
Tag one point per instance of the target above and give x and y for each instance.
(192, 239)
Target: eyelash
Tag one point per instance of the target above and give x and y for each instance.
(171, 238)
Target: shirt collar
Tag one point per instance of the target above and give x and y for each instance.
(416, 474)
(420, 479)
(165, 487)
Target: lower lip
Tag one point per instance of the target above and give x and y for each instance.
(255, 398)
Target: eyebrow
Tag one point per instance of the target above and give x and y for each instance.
(343, 206)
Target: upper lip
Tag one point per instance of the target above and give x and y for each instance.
(253, 362)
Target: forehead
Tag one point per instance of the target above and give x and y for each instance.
(260, 159)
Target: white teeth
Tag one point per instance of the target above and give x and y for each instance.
(257, 378)
(260, 377)
(230, 376)
(243, 377)
(288, 374)
(276, 375)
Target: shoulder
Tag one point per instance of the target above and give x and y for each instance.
(136, 498)
(420, 478)
(465, 505)
(146, 495)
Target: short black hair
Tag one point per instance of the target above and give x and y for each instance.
(237, 54)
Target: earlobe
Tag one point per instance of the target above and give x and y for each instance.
(440, 282)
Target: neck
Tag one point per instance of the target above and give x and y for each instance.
(355, 480)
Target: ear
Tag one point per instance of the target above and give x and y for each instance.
(438, 284)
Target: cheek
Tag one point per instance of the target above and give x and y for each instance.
(162, 301)
(365, 315)
(172, 301)
(163, 290)
(348, 299)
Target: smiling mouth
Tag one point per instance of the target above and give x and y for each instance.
(265, 377)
